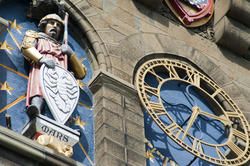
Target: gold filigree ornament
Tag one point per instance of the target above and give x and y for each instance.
(234, 151)
(56, 144)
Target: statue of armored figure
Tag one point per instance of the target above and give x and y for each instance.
(44, 48)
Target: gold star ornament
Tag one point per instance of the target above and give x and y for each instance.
(80, 84)
(14, 25)
(5, 46)
(6, 87)
(149, 155)
(80, 123)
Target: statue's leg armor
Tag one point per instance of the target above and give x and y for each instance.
(36, 107)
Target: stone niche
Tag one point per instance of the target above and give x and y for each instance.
(3, 25)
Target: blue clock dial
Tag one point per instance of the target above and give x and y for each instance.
(194, 112)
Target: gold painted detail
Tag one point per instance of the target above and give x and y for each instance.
(13, 103)
(84, 105)
(14, 25)
(14, 39)
(56, 144)
(6, 87)
(29, 39)
(5, 46)
(28, 49)
(77, 67)
(80, 123)
(151, 156)
(81, 84)
(84, 151)
(234, 151)
(32, 54)
(14, 71)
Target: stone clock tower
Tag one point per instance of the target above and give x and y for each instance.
(167, 82)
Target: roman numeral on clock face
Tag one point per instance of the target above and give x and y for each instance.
(235, 148)
(159, 79)
(219, 153)
(151, 90)
(239, 134)
(193, 78)
(171, 70)
(197, 145)
(157, 108)
(174, 129)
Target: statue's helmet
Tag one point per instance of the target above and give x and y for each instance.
(52, 17)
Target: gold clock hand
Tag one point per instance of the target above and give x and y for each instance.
(222, 119)
(196, 111)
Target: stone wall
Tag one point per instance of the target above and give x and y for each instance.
(125, 32)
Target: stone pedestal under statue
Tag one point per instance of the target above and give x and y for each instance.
(52, 134)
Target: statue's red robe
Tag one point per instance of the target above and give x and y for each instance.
(49, 49)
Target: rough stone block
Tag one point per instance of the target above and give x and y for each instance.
(96, 3)
(107, 104)
(203, 62)
(134, 130)
(98, 22)
(116, 61)
(118, 25)
(220, 9)
(149, 27)
(135, 145)
(134, 117)
(153, 41)
(220, 77)
(173, 46)
(115, 149)
(99, 150)
(244, 90)
(111, 36)
(244, 105)
(135, 46)
(136, 159)
(114, 51)
(106, 117)
(108, 160)
(110, 95)
(111, 133)
(124, 16)
(133, 104)
(124, 75)
(233, 91)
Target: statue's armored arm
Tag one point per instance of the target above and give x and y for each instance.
(28, 46)
(77, 67)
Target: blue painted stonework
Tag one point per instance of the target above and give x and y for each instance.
(178, 99)
(14, 71)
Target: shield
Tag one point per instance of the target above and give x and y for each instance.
(192, 13)
(60, 91)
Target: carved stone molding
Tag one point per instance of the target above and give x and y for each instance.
(3, 25)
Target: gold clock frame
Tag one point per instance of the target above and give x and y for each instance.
(176, 69)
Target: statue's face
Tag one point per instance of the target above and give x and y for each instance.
(53, 29)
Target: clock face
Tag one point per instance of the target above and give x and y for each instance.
(194, 112)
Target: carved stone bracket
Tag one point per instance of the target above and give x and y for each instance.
(3, 25)
(40, 8)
